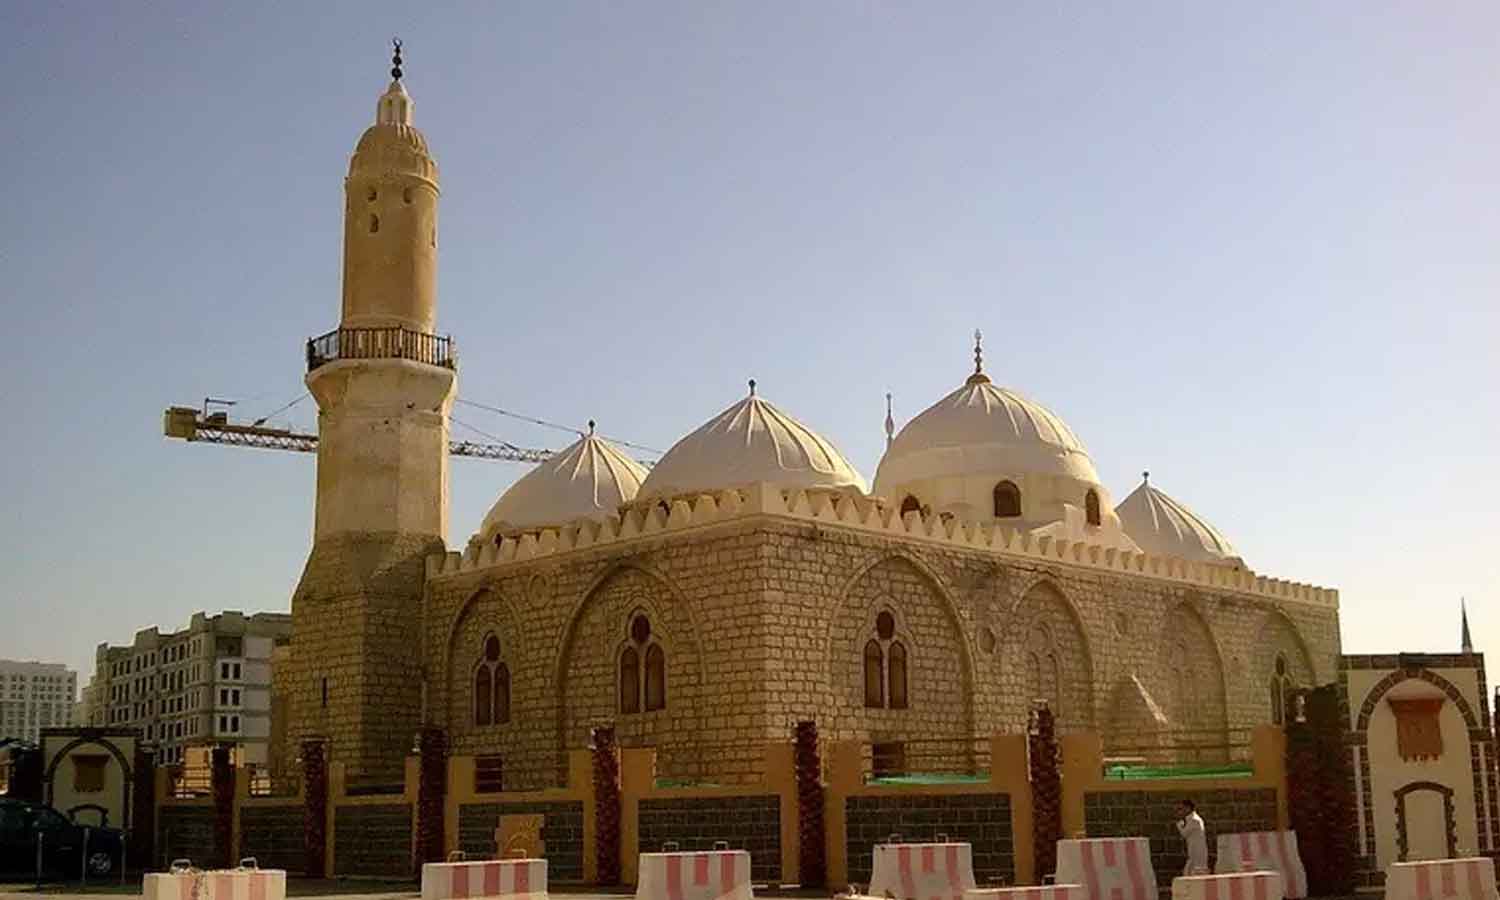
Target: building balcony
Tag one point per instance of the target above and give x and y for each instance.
(393, 342)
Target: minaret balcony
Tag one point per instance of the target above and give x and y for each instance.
(392, 342)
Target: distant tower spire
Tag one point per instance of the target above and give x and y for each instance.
(1467, 641)
(978, 377)
(890, 422)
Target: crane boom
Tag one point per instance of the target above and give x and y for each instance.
(190, 424)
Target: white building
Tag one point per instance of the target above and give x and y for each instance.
(33, 696)
(206, 684)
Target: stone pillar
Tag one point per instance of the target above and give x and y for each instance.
(1082, 770)
(1008, 772)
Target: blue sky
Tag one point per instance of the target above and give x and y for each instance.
(1254, 249)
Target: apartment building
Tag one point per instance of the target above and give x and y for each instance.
(209, 683)
(33, 696)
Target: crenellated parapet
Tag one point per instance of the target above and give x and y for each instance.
(851, 510)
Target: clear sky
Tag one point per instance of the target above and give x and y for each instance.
(1254, 248)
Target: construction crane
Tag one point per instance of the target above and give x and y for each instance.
(191, 424)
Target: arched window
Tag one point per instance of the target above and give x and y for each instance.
(656, 678)
(502, 694)
(483, 701)
(1091, 508)
(910, 504)
(1007, 500)
(898, 676)
(630, 681)
(406, 195)
(874, 675)
(491, 685)
(374, 223)
(1281, 692)
(885, 666)
(643, 669)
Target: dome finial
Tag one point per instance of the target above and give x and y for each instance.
(890, 422)
(1146, 477)
(978, 377)
(752, 387)
(591, 427)
(396, 59)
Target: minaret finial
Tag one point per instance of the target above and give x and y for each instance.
(752, 387)
(396, 59)
(1465, 639)
(978, 377)
(890, 422)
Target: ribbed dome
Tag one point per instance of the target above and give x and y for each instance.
(981, 429)
(591, 477)
(751, 441)
(1158, 524)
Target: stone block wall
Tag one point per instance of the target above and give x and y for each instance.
(187, 832)
(373, 840)
(745, 823)
(562, 833)
(981, 820)
(273, 835)
(1153, 814)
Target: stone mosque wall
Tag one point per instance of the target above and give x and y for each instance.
(762, 619)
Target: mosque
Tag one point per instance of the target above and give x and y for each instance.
(752, 577)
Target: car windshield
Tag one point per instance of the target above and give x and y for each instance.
(49, 819)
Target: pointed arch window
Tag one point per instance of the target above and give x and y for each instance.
(1007, 500)
(874, 675)
(491, 693)
(643, 669)
(885, 666)
(1281, 692)
(910, 504)
(1091, 508)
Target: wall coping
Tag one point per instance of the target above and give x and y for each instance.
(848, 511)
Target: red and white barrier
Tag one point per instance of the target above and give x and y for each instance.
(1264, 851)
(1108, 868)
(525, 879)
(1441, 879)
(922, 871)
(183, 883)
(706, 875)
(1047, 892)
(1232, 886)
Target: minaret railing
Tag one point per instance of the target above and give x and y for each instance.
(391, 342)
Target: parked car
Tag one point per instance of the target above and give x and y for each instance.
(63, 842)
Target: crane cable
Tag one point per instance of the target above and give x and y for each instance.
(545, 424)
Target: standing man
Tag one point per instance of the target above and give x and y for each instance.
(1190, 826)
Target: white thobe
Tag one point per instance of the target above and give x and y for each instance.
(1191, 829)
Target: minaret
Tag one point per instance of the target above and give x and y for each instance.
(384, 383)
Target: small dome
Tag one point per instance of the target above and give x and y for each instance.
(751, 441)
(981, 429)
(592, 477)
(1158, 524)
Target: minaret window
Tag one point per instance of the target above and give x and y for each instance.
(374, 223)
(643, 664)
(1007, 500)
(406, 195)
(372, 195)
(491, 686)
(1091, 508)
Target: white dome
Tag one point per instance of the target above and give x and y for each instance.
(1158, 524)
(981, 429)
(751, 441)
(592, 477)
